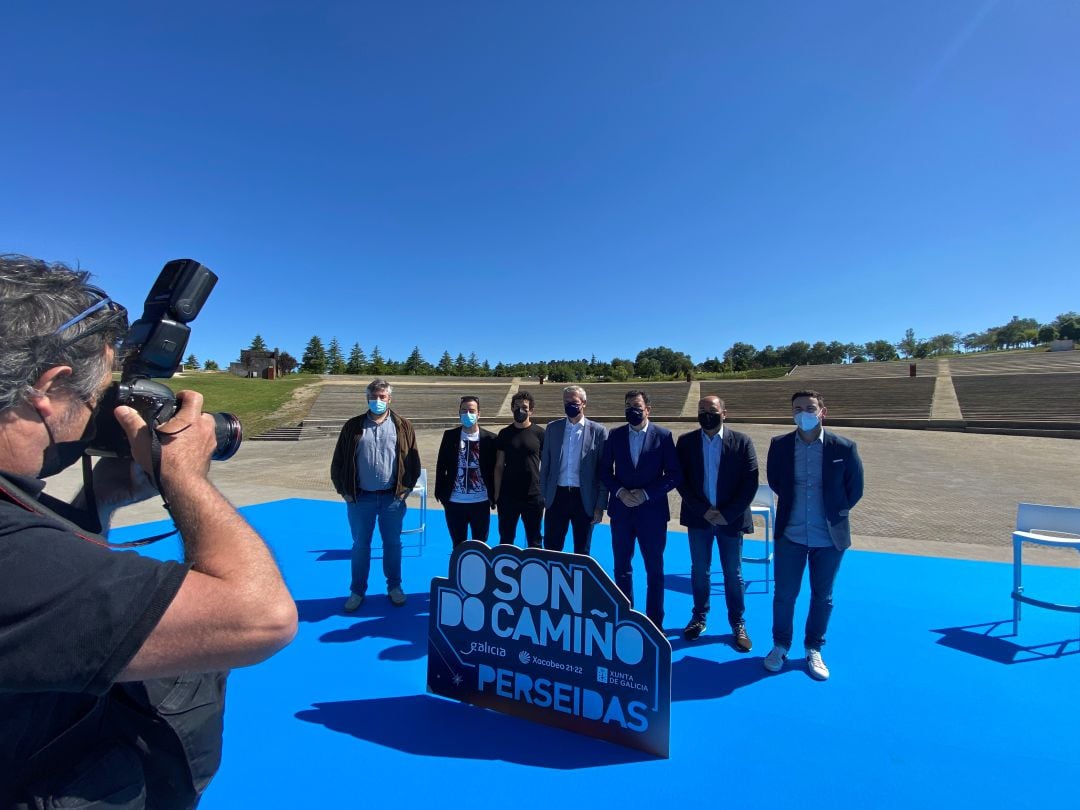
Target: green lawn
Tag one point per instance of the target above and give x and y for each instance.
(253, 400)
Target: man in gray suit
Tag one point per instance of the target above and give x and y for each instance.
(570, 474)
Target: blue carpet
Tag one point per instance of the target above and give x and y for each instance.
(931, 704)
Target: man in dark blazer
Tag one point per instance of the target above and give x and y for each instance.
(719, 481)
(570, 481)
(639, 467)
(817, 477)
(465, 475)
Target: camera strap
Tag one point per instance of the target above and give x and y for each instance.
(10, 492)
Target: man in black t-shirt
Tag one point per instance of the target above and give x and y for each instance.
(111, 662)
(517, 473)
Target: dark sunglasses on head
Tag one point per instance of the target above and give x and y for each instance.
(115, 315)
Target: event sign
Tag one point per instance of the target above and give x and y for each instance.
(549, 637)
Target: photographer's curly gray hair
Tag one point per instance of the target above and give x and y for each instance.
(36, 298)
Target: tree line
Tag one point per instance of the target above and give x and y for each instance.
(1017, 333)
(661, 361)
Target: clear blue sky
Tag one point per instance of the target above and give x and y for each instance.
(557, 179)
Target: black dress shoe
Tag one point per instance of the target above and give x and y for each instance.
(695, 628)
(742, 640)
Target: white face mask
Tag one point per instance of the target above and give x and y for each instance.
(806, 421)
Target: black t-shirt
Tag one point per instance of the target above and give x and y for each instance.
(521, 458)
(73, 613)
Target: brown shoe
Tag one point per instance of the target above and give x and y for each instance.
(742, 640)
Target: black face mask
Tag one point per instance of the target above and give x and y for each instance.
(635, 416)
(520, 415)
(572, 409)
(58, 456)
(710, 421)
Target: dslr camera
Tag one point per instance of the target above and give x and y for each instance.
(154, 347)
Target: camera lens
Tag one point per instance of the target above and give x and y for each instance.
(229, 434)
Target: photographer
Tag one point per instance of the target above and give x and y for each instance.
(100, 650)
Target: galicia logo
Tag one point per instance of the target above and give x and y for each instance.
(524, 657)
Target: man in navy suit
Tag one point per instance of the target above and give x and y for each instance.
(719, 482)
(639, 467)
(817, 477)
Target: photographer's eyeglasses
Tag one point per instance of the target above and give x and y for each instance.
(116, 314)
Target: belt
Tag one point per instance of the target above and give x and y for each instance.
(569, 489)
(377, 491)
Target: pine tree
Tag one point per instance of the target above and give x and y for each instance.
(416, 363)
(258, 344)
(473, 365)
(460, 369)
(192, 362)
(378, 364)
(335, 361)
(314, 359)
(210, 365)
(446, 365)
(357, 361)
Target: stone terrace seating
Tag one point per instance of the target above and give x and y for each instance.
(426, 402)
(891, 368)
(1028, 397)
(606, 399)
(426, 405)
(880, 398)
(1015, 363)
(978, 363)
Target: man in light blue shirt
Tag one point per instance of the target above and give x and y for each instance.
(818, 478)
(375, 467)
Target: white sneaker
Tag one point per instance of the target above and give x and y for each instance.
(396, 597)
(816, 666)
(354, 601)
(774, 661)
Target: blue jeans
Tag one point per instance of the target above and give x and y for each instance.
(390, 512)
(730, 548)
(789, 562)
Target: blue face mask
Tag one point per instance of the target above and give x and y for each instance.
(377, 406)
(807, 422)
(469, 419)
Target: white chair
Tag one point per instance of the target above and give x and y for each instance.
(420, 490)
(408, 547)
(764, 507)
(1057, 526)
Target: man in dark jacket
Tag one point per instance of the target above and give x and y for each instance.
(817, 477)
(465, 475)
(375, 467)
(719, 481)
(639, 467)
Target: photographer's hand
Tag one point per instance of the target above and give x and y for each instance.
(233, 608)
(187, 440)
